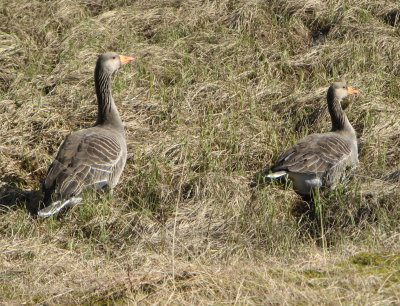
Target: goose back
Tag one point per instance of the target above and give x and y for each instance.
(94, 157)
(321, 159)
(323, 156)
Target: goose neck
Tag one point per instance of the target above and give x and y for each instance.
(107, 111)
(338, 116)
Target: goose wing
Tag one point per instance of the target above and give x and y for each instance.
(317, 153)
(85, 158)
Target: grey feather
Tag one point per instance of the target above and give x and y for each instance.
(94, 157)
(321, 159)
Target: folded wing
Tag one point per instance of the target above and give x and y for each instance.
(84, 159)
(317, 153)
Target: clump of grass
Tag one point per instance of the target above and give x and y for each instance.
(218, 90)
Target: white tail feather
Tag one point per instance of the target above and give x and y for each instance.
(56, 206)
(276, 174)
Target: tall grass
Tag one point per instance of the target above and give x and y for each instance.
(218, 90)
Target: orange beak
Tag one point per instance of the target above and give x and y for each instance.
(125, 59)
(351, 91)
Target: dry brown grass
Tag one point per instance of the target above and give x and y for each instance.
(219, 88)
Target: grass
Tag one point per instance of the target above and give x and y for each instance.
(217, 91)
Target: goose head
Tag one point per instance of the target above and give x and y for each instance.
(111, 61)
(340, 90)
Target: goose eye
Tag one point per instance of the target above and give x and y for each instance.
(344, 87)
(114, 58)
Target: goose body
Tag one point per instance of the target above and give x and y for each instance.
(321, 159)
(93, 157)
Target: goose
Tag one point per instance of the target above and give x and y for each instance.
(93, 157)
(321, 159)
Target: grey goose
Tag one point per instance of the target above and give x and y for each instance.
(321, 159)
(93, 157)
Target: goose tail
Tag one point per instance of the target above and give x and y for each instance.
(56, 206)
(275, 175)
(268, 177)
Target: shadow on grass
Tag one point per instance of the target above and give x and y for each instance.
(12, 197)
(309, 211)
(328, 215)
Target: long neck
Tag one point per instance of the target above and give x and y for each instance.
(338, 116)
(107, 111)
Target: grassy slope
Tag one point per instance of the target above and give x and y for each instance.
(219, 88)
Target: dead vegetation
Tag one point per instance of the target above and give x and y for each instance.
(218, 90)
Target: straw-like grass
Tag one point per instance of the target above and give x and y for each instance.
(218, 90)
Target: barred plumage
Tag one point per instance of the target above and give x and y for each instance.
(320, 159)
(93, 157)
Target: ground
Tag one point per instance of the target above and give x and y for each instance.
(218, 89)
